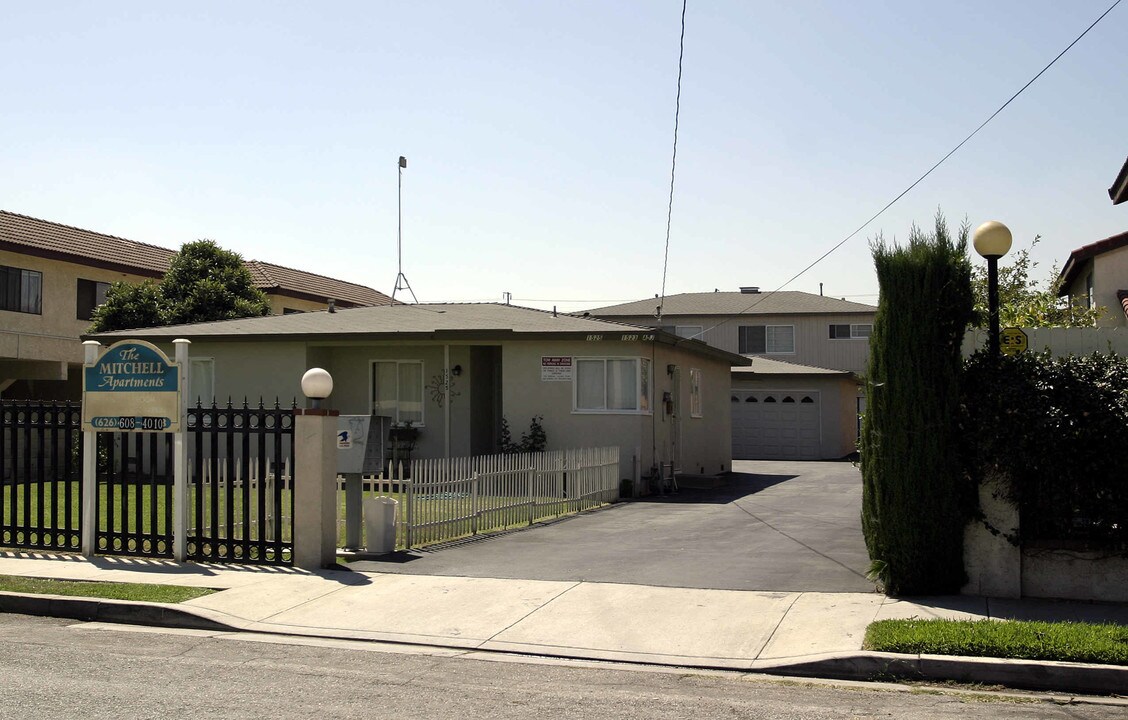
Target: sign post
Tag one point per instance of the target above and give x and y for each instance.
(133, 387)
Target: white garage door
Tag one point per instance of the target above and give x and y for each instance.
(775, 425)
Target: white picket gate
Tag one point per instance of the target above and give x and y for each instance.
(446, 499)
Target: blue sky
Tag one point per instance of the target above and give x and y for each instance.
(539, 134)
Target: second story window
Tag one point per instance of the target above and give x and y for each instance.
(767, 339)
(847, 332)
(91, 294)
(21, 290)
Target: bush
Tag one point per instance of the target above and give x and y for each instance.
(1053, 430)
(914, 496)
(535, 440)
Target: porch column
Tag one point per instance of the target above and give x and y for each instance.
(446, 405)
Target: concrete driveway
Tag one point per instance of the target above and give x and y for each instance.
(776, 526)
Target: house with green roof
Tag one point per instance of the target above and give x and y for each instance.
(454, 371)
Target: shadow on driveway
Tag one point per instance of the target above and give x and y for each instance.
(735, 486)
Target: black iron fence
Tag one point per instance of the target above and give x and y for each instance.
(40, 475)
(135, 494)
(241, 464)
(240, 483)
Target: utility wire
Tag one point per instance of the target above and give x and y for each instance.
(673, 162)
(906, 191)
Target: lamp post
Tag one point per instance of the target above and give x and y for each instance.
(992, 240)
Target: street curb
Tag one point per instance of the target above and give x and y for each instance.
(1044, 675)
(127, 612)
(1041, 675)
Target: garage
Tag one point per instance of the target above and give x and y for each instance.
(776, 425)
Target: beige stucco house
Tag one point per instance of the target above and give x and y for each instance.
(1118, 193)
(52, 276)
(595, 383)
(800, 397)
(1096, 275)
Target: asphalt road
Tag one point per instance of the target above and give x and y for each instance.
(775, 526)
(53, 669)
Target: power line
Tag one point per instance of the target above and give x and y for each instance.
(916, 182)
(673, 162)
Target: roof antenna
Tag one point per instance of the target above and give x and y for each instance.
(401, 279)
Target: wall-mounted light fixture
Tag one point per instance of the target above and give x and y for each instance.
(456, 370)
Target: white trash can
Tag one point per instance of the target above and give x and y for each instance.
(380, 524)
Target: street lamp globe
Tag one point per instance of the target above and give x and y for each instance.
(992, 239)
(317, 384)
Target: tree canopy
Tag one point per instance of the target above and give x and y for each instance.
(204, 282)
(1026, 302)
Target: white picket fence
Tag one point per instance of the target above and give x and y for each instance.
(261, 478)
(447, 499)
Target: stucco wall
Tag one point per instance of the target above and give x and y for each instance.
(997, 568)
(52, 335)
(705, 443)
(275, 369)
(813, 345)
(1110, 274)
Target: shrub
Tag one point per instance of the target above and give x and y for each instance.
(914, 497)
(535, 440)
(1053, 431)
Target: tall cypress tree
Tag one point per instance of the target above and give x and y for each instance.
(912, 495)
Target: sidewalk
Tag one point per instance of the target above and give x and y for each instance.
(807, 634)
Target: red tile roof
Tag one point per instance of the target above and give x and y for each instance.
(1078, 257)
(23, 234)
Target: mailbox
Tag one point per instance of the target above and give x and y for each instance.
(362, 443)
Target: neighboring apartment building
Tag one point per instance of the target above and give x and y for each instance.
(52, 276)
(801, 397)
(1096, 275)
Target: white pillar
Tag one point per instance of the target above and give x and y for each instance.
(315, 488)
(180, 458)
(89, 465)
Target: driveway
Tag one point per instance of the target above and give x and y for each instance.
(776, 526)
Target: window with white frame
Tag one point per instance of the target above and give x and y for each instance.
(688, 331)
(695, 393)
(766, 339)
(848, 332)
(201, 380)
(612, 385)
(397, 390)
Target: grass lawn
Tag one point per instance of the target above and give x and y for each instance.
(1064, 641)
(115, 591)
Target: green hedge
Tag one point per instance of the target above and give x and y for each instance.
(914, 505)
(1055, 430)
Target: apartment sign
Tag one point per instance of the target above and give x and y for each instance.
(131, 387)
(556, 368)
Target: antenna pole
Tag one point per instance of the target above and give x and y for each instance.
(401, 279)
